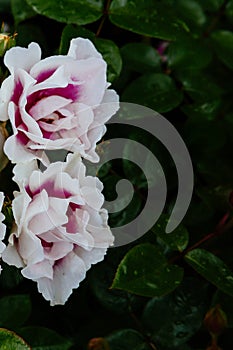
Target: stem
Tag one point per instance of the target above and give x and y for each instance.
(105, 15)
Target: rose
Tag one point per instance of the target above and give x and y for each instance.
(3, 136)
(60, 102)
(2, 226)
(60, 228)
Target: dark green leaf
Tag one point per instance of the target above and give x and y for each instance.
(229, 10)
(203, 111)
(223, 45)
(200, 86)
(11, 341)
(157, 91)
(15, 310)
(10, 276)
(100, 279)
(189, 53)
(21, 10)
(73, 31)
(127, 339)
(177, 240)
(148, 17)
(107, 48)
(69, 11)
(111, 55)
(191, 12)
(211, 5)
(41, 338)
(173, 319)
(212, 268)
(141, 57)
(145, 271)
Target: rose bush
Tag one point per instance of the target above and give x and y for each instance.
(55, 103)
(2, 226)
(60, 229)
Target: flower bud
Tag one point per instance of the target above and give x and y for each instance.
(3, 136)
(215, 320)
(98, 344)
(6, 42)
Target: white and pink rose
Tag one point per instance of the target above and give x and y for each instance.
(2, 226)
(60, 102)
(60, 226)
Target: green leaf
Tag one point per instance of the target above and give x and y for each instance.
(141, 57)
(157, 91)
(73, 31)
(117, 301)
(204, 111)
(229, 10)
(212, 268)
(21, 10)
(126, 339)
(69, 11)
(145, 271)
(41, 338)
(189, 53)
(147, 17)
(174, 318)
(107, 48)
(223, 45)
(15, 310)
(211, 5)
(177, 240)
(191, 12)
(111, 55)
(10, 276)
(11, 341)
(200, 86)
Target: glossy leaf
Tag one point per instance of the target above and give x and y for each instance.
(15, 310)
(176, 240)
(212, 268)
(41, 338)
(111, 55)
(189, 53)
(126, 339)
(145, 271)
(174, 318)
(11, 341)
(200, 86)
(148, 17)
(21, 10)
(157, 91)
(69, 11)
(141, 57)
(223, 45)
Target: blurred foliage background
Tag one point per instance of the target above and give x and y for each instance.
(167, 291)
